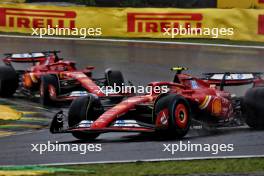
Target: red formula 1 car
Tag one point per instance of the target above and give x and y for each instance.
(189, 99)
(46, 75)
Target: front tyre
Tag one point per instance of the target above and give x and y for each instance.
(172, 116)
(84, 108)
(253, 107)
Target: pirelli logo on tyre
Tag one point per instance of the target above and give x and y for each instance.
(31, 18)
(156, 22)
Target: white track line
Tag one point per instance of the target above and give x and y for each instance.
(160, 159)
(146, 160)
(135, 41)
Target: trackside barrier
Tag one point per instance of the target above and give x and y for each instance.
(247, 24)
(245, 4)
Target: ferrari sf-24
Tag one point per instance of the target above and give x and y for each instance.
(188, 99)
(46, 75)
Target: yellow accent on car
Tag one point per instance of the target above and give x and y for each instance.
(205, 103)
(33, 78)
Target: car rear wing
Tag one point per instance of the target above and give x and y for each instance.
(233, 78)
(30, 56)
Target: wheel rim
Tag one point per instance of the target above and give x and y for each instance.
(181, 115)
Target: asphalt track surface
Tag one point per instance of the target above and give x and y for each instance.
(140, 63)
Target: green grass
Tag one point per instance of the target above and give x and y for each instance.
(253, 165)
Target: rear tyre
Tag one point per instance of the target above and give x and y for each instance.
(84, 108)
(8, 81)
(49, 87)
(253, 107)
(172, 116)
(114, 78)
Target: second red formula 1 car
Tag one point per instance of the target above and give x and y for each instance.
(46, 75)
(188, 99)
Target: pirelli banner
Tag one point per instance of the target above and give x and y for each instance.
(246, 4)
(233, 24)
